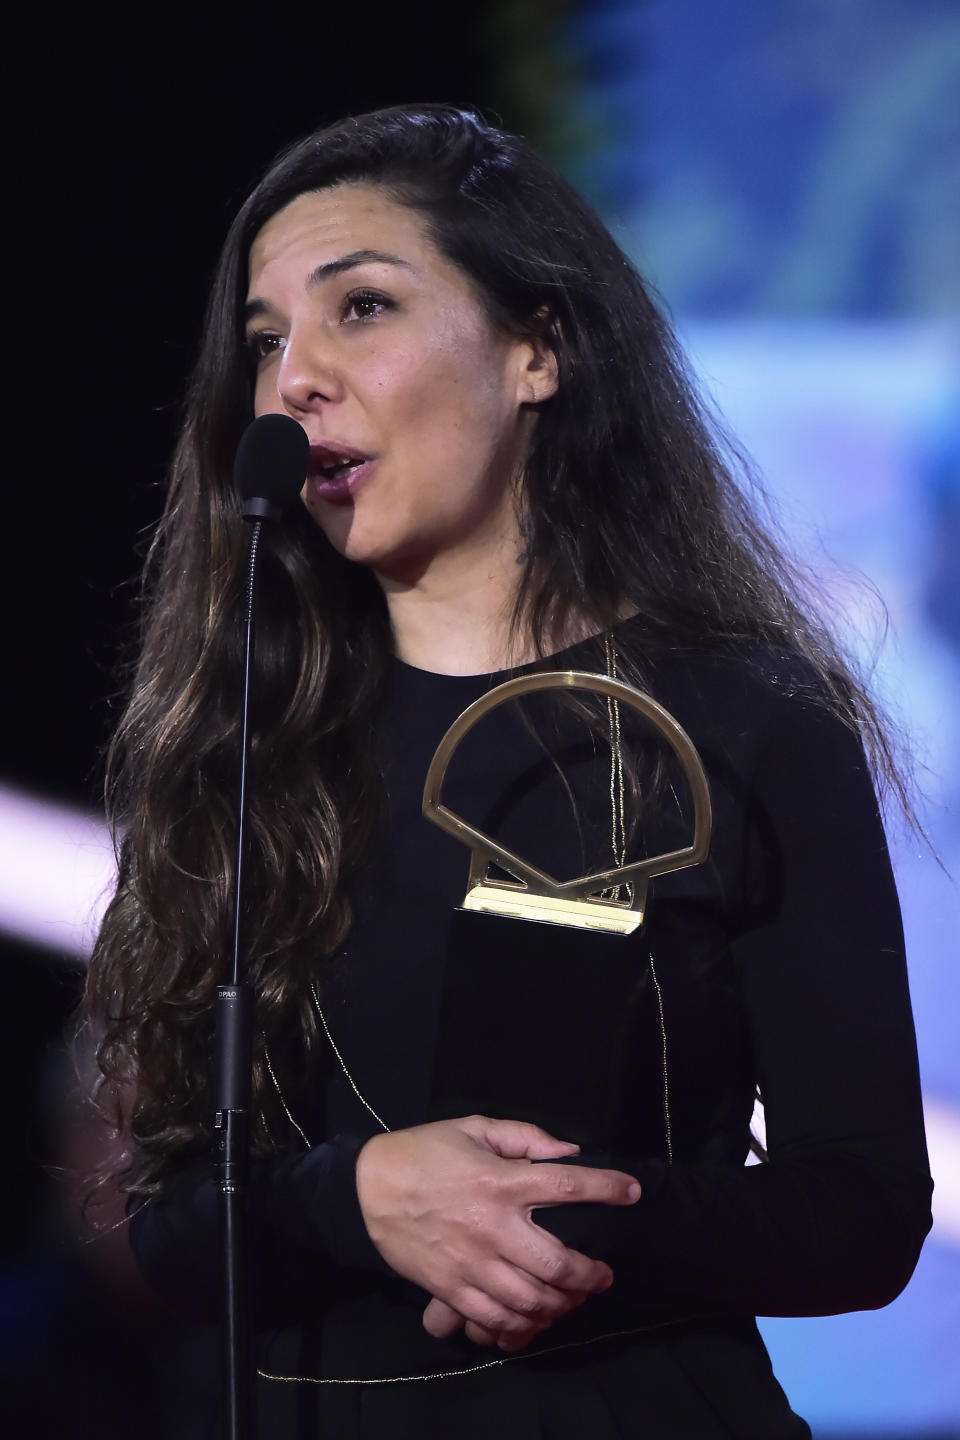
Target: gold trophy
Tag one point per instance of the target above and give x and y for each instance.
(547, 1025)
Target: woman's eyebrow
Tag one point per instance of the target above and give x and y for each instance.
(347, 262)
(331, 268)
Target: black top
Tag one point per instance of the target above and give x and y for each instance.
(779, 963)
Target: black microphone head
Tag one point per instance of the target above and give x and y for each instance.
(271, 465)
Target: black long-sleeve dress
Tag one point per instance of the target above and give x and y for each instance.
(778, 964)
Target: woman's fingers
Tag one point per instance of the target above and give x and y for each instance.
(531, 1248)
(449, 1212)
(478, 1334)
(441, 1320)
(479, 1308)
(566, 1270)
(509, 1326)
(518, 1340)
(529, 1308)
(541, 1185)
(517, 1139)
(525, 1297)
(543, 1257)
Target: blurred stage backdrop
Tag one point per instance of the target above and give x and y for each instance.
(788, 175)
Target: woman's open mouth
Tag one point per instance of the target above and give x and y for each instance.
(335, 471)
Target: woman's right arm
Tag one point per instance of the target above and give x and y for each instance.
(304, 1226)
(445, 1205)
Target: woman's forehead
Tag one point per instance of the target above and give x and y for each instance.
(323, 225)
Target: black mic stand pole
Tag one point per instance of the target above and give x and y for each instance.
(235, 1064)
(270, 467)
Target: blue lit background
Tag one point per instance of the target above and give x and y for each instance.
(788, 175)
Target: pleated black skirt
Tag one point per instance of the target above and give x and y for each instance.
(711, 1381)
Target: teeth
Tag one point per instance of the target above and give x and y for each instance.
(336, 465)
(339, 469)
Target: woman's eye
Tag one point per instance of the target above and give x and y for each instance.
(263, 343)
(365, 304)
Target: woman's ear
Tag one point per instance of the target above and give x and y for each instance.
(539, 373)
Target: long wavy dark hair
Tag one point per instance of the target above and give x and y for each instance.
(629, 503)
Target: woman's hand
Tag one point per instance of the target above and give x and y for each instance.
(441, 1321)
(448, 1207)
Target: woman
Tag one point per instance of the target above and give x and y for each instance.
(507, 469)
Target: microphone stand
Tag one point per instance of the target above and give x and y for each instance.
(269, 471)
(234, 1067)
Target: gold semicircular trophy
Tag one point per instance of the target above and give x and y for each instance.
(532, 894)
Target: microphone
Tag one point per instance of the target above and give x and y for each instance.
(269, 471)
(271, 466)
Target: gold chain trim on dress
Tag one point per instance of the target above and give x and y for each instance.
(668, 1139)
(618, 828)
(334, 1047)
(619, 838)
(619, 843)
(472, 1369)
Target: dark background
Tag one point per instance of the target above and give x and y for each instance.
(135, 137)
(138, 138)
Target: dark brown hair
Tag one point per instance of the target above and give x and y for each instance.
(630, 501)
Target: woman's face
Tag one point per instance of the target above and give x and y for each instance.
(418, 410)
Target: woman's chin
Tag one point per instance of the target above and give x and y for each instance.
(339, 525)
(374, 552)
(397, 561)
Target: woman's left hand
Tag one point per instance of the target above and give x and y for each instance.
(441, 1321)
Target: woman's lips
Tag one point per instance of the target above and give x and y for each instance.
(341, 489)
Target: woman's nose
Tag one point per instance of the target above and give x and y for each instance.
(308, 374)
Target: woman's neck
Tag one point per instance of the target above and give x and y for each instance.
(466, 627)
(455, 615)
(456, 618)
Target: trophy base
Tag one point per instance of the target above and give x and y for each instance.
(535, 1023)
